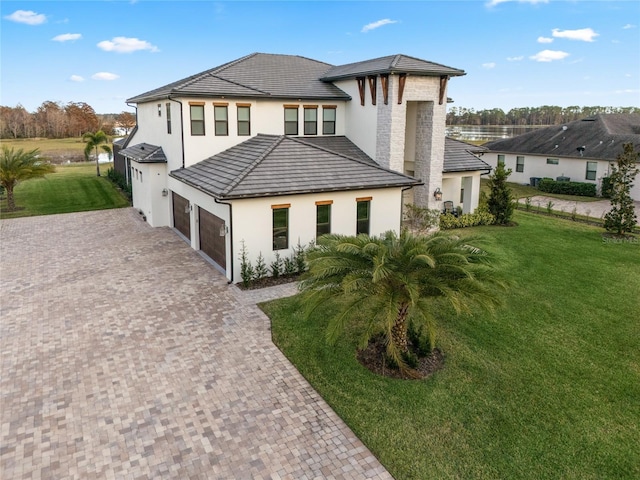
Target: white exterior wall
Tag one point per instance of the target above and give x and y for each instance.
(152, 129)
(252, 220)
(147, 185)
(574, 168)
(360, 122)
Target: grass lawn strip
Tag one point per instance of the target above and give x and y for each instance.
(546, 388)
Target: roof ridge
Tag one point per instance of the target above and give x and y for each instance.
(238, 84)
(211, 72)
(362, 162)
(396, 59)
(255, 163)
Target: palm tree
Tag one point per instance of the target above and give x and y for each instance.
(94, 140)
(387, 283)
(19, 165)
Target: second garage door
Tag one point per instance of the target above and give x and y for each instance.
(211, 242)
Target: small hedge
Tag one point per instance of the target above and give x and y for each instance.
(448, 221)
(567, 188)
(607, 187)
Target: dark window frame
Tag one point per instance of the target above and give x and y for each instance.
(520, 164)
(197, 122)
(168, 109)
(553, 161)
(310, 126)
(243, 123)
(501, 159)
(329, 126)
(290, 123)
(363, 223)
(279, 231)
(221, 127)
(594, 171)
(322, 227)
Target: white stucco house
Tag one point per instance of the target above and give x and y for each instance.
(274, 150)
(582, 150)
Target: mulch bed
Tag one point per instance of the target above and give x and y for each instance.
(373, 358)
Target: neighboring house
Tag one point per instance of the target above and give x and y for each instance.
(582, 150)
(274, 150)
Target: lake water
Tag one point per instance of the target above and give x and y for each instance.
(486, 133)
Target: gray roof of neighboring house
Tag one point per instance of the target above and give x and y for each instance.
(391, 64)
(256, 75)
(271, 165)
(598, 137)
(459, 156)
(144, 153)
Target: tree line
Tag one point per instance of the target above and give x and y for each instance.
(58, 120)
(544, 115)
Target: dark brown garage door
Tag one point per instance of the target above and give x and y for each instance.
(181, 217)
(211, 242)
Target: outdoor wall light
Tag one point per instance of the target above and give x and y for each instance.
(223, 230)
(165, 192)
(437, 194)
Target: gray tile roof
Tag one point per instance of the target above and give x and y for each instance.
(144, 153)
(270, 165)
(341, 145)
(602, 137)
(391, 64)
(459, 157)
(256, 75)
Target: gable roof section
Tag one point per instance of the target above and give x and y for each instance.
(602, 137)
(256, 75)
(388, 65)
(459, 157)
(270, 165)
(144, 153)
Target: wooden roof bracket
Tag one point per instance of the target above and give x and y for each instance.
(361, 84)
(402, 78)
(373, 87)
(384, 81)
(443, 88)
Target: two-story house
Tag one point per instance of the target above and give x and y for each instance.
(269, 151)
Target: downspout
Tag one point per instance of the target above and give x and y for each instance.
(230, 232)
(181, 126)
(127, 164)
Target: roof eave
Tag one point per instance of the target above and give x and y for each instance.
(457, 73)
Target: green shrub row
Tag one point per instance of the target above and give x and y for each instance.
(120, 181)
(251, 274)
(567, 188)
(479, 217)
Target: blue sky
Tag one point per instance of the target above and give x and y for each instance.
(516, 53)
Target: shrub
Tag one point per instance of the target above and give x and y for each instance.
(290, 266)
(500, 203)
(120, 181)
(300, 258)
(479, 217)
(276, 266)
(420, 219)
(567, 188)
(260, 270)
(606, 188)
(246, 269)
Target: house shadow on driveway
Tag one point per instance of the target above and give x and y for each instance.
(126, 355)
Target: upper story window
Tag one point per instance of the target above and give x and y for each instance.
(519, 164)
(291, 120)
(500, 159)
(221, 118)
(323, 217)
(592, 170)
(553, 161)
(280, 215)
(310, 119)
(329, 120)
(168, 108)
(197, 118)
(244, 119)
(159, 109)
(363, 215)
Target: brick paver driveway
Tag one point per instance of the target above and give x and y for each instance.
(125, 355)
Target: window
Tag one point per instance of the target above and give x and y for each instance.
(291, 120)
(553, 161)
(140, 176)
(221, 119)
(364, 207)
(329, 120)
(310, 120)
(159, 109)
(592, 170)
(519, 164)
(500, 159)
(168, 106)
(244, 119)
(197, 119)
(323, 217)
(280, 226)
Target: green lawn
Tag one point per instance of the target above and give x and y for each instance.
(72, 188)
(547, 388)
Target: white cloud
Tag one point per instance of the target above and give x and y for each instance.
(105, 76)
(27, 16)
(378, 24)
(489, 65)
(515, 59)
(627, 90)
(66, 37)
(76, 78)
(582, 34)
(628, 75)
(493, 3)
(545, 40)
(628, 26)
(126, 45)
(549, 55)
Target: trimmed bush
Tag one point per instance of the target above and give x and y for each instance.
(567, 188)
(607, 187)
(448, 221)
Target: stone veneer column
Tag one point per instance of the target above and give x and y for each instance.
(429, 160)
(392, 119)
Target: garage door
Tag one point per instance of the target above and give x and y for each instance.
(211, 242)
(181, 217)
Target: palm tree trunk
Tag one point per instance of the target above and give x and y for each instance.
(399, 329)
(11, 202)
(97, 164)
